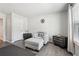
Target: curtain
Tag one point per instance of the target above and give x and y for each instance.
(70, 30)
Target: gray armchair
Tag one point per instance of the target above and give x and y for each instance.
(27, 35)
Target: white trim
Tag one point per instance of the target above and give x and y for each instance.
(76, 42)
(4, 28)
(3, 16)
(15, 41)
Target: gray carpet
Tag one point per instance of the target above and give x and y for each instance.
(12, 50)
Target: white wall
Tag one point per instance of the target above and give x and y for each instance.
(9, 28)
(76, 50)
(19, 26)
(3, 16)
(55, 23)
(75, 11)
(16, 25)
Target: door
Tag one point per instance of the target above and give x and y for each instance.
(1, 32)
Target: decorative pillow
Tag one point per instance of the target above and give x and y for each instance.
(39, 38)
(41, 34)
(35, 35)
(38, 34)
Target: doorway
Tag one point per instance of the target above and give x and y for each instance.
(1, 32)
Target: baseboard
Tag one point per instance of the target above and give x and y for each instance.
(8, 42)
(16, 40)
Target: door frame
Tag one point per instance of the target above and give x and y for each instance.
(3, 16)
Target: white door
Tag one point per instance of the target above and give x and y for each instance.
(1, 31)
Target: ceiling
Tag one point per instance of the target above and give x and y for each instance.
(31, 9)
